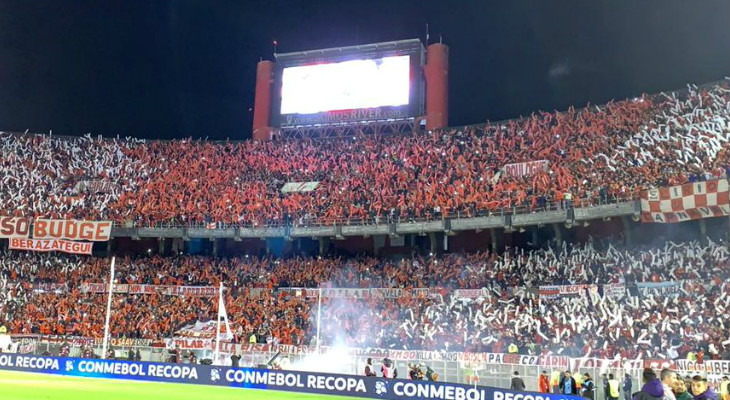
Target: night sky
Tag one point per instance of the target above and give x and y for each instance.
(164, 69)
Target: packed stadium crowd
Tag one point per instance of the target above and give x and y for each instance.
(508, 312)
(594, 155)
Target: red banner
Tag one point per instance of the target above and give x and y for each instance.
(686, 202)
(45, 245)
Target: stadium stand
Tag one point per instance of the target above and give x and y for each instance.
(595, 155)
(509, 310)
(658, 301)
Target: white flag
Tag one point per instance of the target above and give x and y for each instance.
(222, 314)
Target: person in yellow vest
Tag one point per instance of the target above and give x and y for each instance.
(252, 339)
(691, 356)
(613, 388)
(555, 381)
(724, 388)
(513, 349)
(578, 380)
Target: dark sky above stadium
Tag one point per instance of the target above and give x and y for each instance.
(179, 68)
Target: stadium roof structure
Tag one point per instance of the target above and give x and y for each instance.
(365, 50)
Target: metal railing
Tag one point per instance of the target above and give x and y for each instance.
(490, 374)
(550, 205)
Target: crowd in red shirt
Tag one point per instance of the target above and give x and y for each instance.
(508, 310)
(593, 155)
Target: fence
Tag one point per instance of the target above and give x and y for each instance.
(490, 374)
(550, 205)
(494, 370)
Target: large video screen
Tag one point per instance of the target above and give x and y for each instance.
(347, 85)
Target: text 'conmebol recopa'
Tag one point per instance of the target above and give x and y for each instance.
(135, 369)
(28, 362)
(295, 380)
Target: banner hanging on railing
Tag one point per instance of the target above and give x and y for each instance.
(93, 231)
(46, 245)
(14, 227)
(614, 290)
(555, 291)
(192, 291)
(659, 288)
(61, 229)
(686, 202)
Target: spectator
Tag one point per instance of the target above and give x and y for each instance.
(555, 381)
(701, 390)
(517, 383)
(369, 368)
(652, 389)
(627, 386)
(386, 369)
(235, 360)
(680, 390)
(567, 385)
(589, 388)
(623, 143)
(613, 388)
(668, 378)
(544, 383)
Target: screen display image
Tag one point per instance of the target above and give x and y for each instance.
(348, 85)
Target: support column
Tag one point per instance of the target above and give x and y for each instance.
(535, 237)
(216, 247)
(324, 245)
(161, 248)
(262, 101)
(703, 230)
(495, 240)
(437, 86)
(628, 235)
(432, 242)
(558, 234)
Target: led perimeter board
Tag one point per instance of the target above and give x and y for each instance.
(349, 85)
